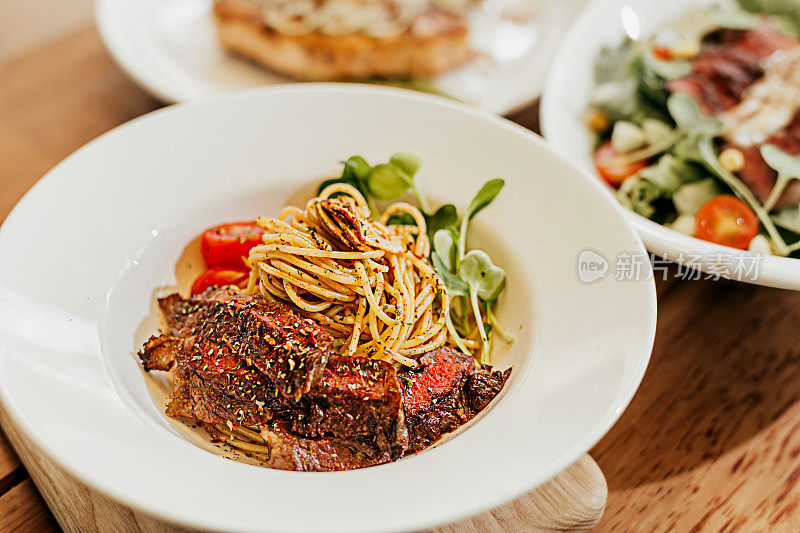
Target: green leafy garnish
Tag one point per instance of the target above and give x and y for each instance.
(444, 244)
(688, 117)
(386, 183)
(454, 285)
(787, 167)
(445, 217)
(485, 281)
(484, 197)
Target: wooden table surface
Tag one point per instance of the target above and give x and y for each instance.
(709, 443)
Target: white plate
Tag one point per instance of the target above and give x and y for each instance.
(568, 91)
(88, 245)
(170, 48)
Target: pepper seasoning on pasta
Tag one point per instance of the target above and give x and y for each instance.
(367, 282)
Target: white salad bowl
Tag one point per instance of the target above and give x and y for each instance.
(567, 94)
(87, 248)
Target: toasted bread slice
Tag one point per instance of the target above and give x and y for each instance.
(436, 42)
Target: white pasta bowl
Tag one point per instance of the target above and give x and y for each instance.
(87, 247)
(569, 89)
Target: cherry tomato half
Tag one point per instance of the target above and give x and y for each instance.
(728, 221)
(614, 174)
(221, 277)
(226, 244)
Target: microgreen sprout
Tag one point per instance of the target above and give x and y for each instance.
(485, 281)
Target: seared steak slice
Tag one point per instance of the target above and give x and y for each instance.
(433, 396)
(292, 452)
(159, 353)
(356, 398)
(210, 383)
(290, 350)
(729, 62)
(482, 386)
(446, 390)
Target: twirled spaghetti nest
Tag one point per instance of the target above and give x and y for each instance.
(369, 283)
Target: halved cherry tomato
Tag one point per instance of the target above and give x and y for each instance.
(728, 221)
(221, 277)
(226, 244)
(614, 174)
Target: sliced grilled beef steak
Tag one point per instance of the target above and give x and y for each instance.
(290, 350)
(729, 63)
(211, 384)
(356, 398)
(224, 348)
(352, 398)
(292, 452)
(482, 386)
(444, 392)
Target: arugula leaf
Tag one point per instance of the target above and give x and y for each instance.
(617, 99)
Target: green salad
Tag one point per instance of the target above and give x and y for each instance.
(698, 126)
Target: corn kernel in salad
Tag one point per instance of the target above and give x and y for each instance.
(732, 159)
(597, 120)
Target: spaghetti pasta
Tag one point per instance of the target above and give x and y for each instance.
(367, 282)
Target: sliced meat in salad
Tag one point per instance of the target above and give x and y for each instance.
(698, 126)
